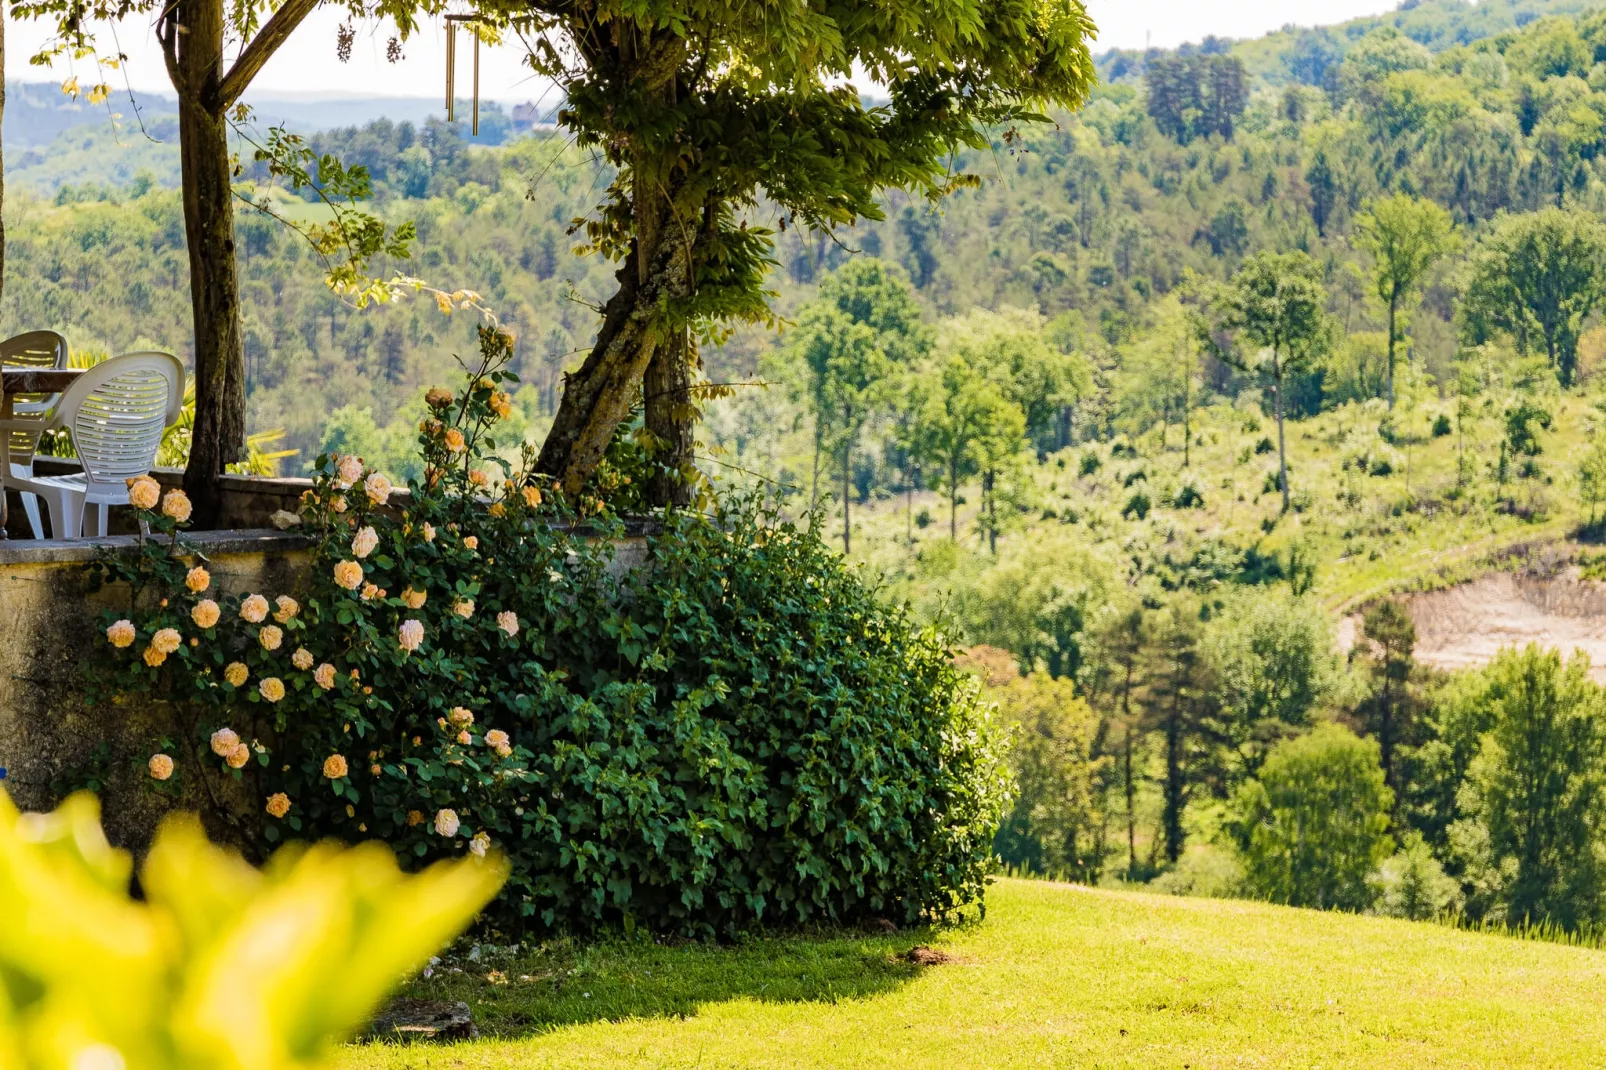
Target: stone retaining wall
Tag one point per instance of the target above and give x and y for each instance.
(51, 738)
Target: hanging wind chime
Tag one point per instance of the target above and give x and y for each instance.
(451, 70)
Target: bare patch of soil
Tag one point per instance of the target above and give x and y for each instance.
(928, 956)
(1466, 625)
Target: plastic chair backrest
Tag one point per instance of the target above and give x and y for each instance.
(34, 349)
(117, 412)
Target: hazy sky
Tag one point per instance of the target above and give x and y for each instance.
(308, 64)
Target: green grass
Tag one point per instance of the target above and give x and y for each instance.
(1057, 975)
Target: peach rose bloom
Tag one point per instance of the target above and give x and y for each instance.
(121, 634)
(414, 818)
(271, 688)
(144, 493)
(502, 404)
(324, 676)
(224, 740)
(413, 599)
(334, 767)
(167, 640)
(348, 574)
(464, 608)
(238, 757)
(288, 608)
(278, 804)
(378, 488)
(480, 844)
(206, 613)
(464, 739)
(271, 637)
(508, 621)
(497, 509)
(363, 543)
(472, 542)
(197, 579)
(176, 505)
(161, 766)
(410, 635)
(254, 610)
(461, 716)
(302, 658)
(454, 440)
(349, 470)
(496, 737)
(429, 532)
(438, 397)
(236, 674)
(532, 496)
(338, 503)
(478, 478)
(153, 657)
(447, 824)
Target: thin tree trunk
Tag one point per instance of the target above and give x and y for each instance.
(847, 486)
(1392, 303)
(953, 498)
(990, 493)
(193, 46)
(670, 417)
(1174, 783)
(1187, 423)
(1282, 449)
(1131, 816)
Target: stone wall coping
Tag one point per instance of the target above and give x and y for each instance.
(206, 543)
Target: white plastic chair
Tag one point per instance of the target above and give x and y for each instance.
(116, 412)
(35, 349)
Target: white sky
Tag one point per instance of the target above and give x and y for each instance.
(307, 65)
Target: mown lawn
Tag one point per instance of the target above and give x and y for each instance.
(1056, 976)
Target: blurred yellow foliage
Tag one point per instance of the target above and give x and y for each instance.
(223, 967)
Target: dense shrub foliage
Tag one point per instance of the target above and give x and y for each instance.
(739, 731)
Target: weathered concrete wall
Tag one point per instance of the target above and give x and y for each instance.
(49, 734)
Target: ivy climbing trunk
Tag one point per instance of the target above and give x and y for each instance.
(671, 417)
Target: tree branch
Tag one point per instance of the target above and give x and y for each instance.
(261, 49)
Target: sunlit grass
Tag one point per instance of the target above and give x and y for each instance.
(1055, 976)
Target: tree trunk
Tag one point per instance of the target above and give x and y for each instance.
(193, 47)
(1131, 816)
(671, 418)
(953, 498)
(1392, 303)
(1174, 783)
(598, 397)
(847, 488)
(1282, 450)
(990, 493)
(1187, 412)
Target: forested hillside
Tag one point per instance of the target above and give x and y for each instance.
(1268, 328)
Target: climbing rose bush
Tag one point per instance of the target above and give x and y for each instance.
(738, 731)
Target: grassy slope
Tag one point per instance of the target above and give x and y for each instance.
(1364, 548)
(1062, 976)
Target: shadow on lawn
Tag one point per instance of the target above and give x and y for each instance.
(572, 983)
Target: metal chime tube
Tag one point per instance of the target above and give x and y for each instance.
(451, 66)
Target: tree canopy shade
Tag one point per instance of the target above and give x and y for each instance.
(704, 106)
(1537, 278)
(192, 35)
